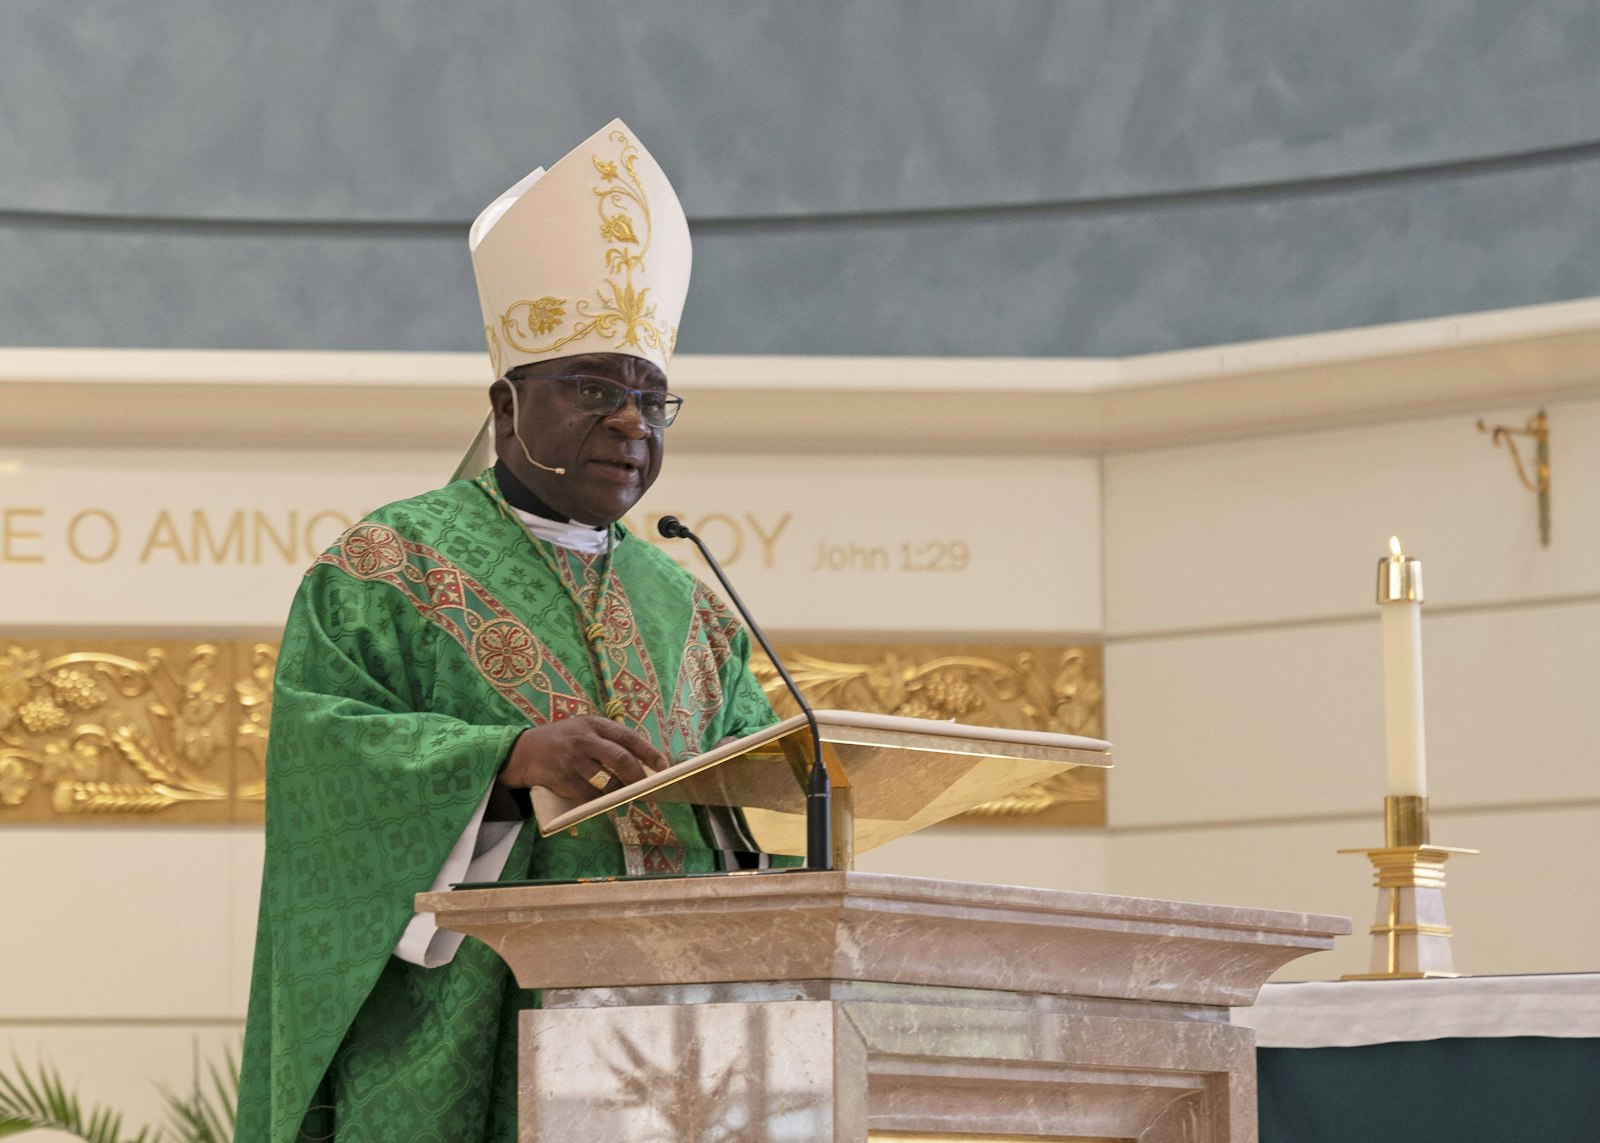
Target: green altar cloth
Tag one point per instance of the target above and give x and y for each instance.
(1468, 1090)
(1470, 1059)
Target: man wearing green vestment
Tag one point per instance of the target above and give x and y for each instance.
(452, 650)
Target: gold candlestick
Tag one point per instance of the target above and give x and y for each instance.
(1410, 940)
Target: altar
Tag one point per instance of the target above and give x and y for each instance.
(1429, 1061)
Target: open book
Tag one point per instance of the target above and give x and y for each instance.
(895, 775)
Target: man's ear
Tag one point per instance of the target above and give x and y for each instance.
(500, 403)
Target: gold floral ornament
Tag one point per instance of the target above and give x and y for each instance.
(1055, 689)
(551, 287)
(617, 228)
(16, 780)
(70, 762)
(620, 311)
(253, 699)
(505, 651)
(527, 320)
(19, 670)
(96, 733)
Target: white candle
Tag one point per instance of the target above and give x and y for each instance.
(1400, 597)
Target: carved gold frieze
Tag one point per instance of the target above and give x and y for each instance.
(173, 731)
(1034, 688)
(169, 731)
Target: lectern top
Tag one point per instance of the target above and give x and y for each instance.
(898, 774)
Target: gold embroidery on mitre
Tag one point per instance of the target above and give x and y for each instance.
(496, 353)
(620, 312)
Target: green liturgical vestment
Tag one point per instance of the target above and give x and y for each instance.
(418, 648)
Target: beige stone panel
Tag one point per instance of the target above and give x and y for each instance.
(1526, 903)
(245, 854)
(1290, 527)
(1256, 724)
(165, 539)
(1511, 705)
(1042, 857)
(107, 922)
(1288, 723)
(196, 538)
(682, 1072)
(844, 545)
(924, 1062)
(1275, 866)
(120, 1066)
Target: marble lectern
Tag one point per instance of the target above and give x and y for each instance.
(798, 1007)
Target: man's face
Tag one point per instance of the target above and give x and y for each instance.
(611, 460)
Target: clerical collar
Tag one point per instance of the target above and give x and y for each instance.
(544, 521)
(519, 495)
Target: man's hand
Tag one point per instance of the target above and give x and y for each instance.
(567, 754)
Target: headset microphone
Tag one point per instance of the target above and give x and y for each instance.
(516, 421)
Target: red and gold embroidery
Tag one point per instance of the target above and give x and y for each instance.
(505, 652)
(372, 551)
(697, 692)
(650, 845)
(518, 664)
(499, 645)
(628, 667)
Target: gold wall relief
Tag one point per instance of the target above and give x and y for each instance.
(133, 731)
(1052, 688)
(166, 732)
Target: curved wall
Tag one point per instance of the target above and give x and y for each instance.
(1014, 177)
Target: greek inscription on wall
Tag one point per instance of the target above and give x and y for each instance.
(243, 537)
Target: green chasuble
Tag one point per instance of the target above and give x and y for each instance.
(418, 647)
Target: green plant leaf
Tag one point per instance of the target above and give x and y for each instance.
(42, 1101)
(207, 1116)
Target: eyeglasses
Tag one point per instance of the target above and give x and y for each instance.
(601, 397)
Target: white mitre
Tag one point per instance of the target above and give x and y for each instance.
(590, 257)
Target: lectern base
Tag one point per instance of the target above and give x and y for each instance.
(837, 1006)
(809, 1061)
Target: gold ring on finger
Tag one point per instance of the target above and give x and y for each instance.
(600, 779)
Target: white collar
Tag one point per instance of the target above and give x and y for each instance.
(564, 533)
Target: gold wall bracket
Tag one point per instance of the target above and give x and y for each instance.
(1410, 939)
(1538, 427)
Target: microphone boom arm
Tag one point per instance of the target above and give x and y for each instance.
(819, 791)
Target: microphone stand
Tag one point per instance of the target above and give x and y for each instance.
(819, 792)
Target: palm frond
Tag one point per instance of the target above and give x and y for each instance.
(207, 1116)
(30, 1102)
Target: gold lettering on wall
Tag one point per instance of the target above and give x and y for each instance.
(177, 731)
(164, 537)
(103, 540)
(229, 548)
(171, 536)
(730, 537)
(20, 536)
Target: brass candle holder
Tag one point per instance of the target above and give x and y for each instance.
(1410, 940)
